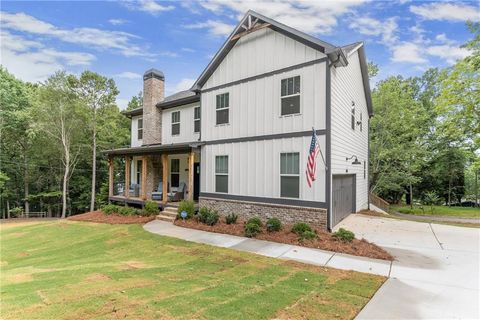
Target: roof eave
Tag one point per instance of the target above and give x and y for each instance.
(178, 102)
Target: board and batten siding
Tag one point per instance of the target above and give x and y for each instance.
(259, 52)
(187, 133)
(347, 86)
(254, 167)
(134, 141)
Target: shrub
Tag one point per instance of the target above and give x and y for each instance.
(308, 235)
(150, 208)
(256, 221)
(300, 228)
(231, 218)
(127, 211)
(16, 212)
(110, 208)
(252, 229)
(188, 206)
(208, 217)
(344, 235)
(273, 224)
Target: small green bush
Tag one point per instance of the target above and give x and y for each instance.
(308, 235)
(127, 211)
(231, 218)
(16, 212)
(207, 216)
(150, 208)
(256, 221)
(300, 228)
(252, 229)
(273, 224)
(110, 208)
(344, 235)
(188, 206)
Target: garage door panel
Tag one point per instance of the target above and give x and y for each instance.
(343, 197)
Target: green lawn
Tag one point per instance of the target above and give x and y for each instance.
(439, 211)
(76, 270)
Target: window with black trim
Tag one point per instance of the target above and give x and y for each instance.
(290, 175)
(353, 116)
(361, 122)
(139, 128)
(221, 174)
(175, 123)
(196, 119)
(175, 172)
(222, 107)
(290, 96)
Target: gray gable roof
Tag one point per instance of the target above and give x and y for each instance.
(178, 99)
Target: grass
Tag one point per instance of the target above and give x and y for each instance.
(445, 211)
(78, 270)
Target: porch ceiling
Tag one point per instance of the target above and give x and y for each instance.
(156, 148)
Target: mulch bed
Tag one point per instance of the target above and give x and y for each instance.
(100, 217)
(325, 240)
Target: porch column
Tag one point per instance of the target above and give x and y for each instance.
(127, 176)
(165, 178)
(191, 159)
(110, 177)
(144, 178)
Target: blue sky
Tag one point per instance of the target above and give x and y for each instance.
(123, 39)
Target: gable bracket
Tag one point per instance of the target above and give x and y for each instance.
(254, 28)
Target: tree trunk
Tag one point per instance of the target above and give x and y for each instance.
(25, 183)
(94, 161)
(476, 188)
(411, 196)
(8, 209)
(64, 188)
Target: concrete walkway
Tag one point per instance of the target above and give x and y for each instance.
(436, 272)
(273, 249)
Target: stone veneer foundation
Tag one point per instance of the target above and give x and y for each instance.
(286, 214)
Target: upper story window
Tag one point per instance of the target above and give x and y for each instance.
(221, 174)
(290, 96)
(196, 119)
(223, 105)
(361, 122)
(353, 116)
(175, 123)
(140, 128)
(290, 175)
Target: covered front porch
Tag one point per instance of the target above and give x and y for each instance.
(166, 174)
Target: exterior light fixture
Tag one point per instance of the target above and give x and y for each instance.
(354, 161)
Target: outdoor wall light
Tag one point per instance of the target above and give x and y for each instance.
(354, 161)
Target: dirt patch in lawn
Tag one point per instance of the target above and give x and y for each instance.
(324, 241)
(100, 217)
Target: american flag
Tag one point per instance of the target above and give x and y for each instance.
(311, 171)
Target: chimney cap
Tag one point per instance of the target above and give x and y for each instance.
(153, 73)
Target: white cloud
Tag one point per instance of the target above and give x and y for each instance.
(188, 50)
(373, 27)
(447, 11)
(117, 22)
(448, 53)
(129, 75)
(216, 28)
(149, 6)
(307, 16)
(407, 52)
(32, 61)
(183, 84)
(169, 54)
(93, 38)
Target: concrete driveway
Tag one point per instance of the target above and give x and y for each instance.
(436, 274)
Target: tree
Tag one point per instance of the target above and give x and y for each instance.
(372, 70)
(136, 102)
(60, 116)
(96, 92)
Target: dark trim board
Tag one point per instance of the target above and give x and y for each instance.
(267, 137)
(266, 74)
(279, 201)
(328, 146)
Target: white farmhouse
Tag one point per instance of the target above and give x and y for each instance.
(239, 139)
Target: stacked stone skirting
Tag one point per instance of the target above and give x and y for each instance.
(286, 214)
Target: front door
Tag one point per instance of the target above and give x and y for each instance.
(196, 180)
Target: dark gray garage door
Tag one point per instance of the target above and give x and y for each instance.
(343, 197)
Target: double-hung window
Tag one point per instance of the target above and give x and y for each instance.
(353, 116)
(289, 175)
(290, 96)
(221, 174)
(175, 172)
(196, 119)
(222, 107)
(140, 128)
(175, 123)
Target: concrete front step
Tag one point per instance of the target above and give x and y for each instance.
(164, 217)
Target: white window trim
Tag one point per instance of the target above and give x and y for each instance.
(196, 119)
(220, 109)
(138, 129)
(291, 95)
(179, 126)
(289, 175)
(221, 174)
